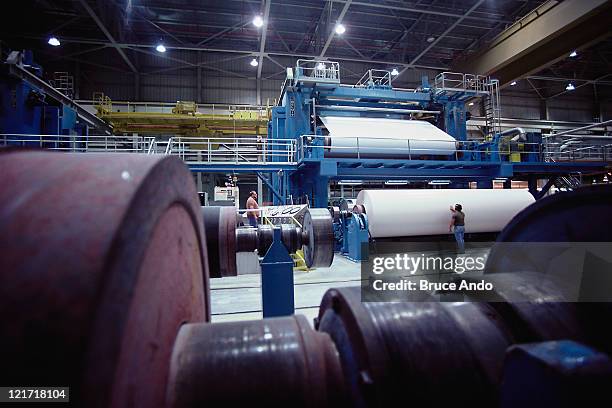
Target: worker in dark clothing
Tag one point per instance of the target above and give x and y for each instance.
(457, 225)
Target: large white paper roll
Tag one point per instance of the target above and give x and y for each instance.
(379, 137)
(401, 213)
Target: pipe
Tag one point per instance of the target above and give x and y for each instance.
(372, 109)
(517, 132)
(567, 132)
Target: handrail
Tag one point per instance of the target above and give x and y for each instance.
(263, 151)
(169, 146)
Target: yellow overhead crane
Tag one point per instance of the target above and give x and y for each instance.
(185, 120)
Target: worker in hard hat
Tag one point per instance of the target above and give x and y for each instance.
(252, 209)
(457, 225)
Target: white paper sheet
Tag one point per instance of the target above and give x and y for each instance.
(379, 137)
(401, 213)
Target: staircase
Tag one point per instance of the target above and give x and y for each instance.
(568, 182)
(492, 108)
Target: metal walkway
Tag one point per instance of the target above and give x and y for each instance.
(254, 154)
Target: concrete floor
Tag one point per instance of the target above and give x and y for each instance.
(239, 297)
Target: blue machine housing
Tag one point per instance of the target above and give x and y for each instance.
(30, 106)
(306, 96)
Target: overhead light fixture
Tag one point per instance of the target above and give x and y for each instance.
(160, 48)
(471, 104)
(254, 62)
(395, 72)
(350, 182)
(53, 41)
(396, 182)
(258, 21)
(512, 83)
(439, 182)
(431, 39)
(573, 54)
(570, 87)
(320, 65)
(340, 29)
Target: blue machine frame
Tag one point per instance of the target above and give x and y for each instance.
(314, 88)
(31, 106)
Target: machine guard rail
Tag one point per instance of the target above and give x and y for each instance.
(456, 81)
(290, 151)
(244, 150)
(375, 78)
(314, 146)
(82, 144)
(317, 71)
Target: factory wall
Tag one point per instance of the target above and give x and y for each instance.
(232, 81)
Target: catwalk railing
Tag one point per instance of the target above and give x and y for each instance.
(251, 150)
(245, 150)
(470, 150)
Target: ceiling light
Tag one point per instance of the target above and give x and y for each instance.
(471, 104)
(512, 83)
(439, 182)
(396, 182)
(160, 48)
(431, 39)
(573, 54)
(54, 41)
(258, 21)
(320, 65)
(254, 62)
(395, 72)
(570, 87)
(340, 29)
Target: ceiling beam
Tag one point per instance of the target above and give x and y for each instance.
(250, 52)
(580, 86)
(423, 10)
(264, 34)
(448, 30)
(222, 32)
(333, 31)
(353, 48)
(540, 39)
(108, 35)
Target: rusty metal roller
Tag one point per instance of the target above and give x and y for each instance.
(424, 347)
(220, 228)
(419, 348)
(103, 259)
(273, 362)
(318, 238)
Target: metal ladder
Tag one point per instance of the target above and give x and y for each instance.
(569, 182)
(492, 108)
(63, 83)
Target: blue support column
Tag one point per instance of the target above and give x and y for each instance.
(554, 374)
(485, 183)
(277, 280)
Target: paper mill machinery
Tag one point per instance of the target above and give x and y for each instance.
(33, 105)
(372, 131)
(107, 291)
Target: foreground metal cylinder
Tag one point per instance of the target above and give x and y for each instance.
(102, 261)
(315, 238)
(220, 227)
(271, 362)
(430, 348)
